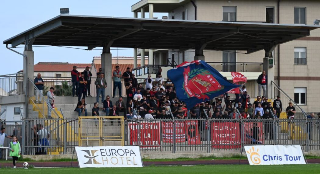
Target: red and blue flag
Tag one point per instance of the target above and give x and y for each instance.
(197, 82)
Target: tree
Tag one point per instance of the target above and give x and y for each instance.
(63, 90)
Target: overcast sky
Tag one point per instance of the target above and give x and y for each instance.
(20, 15)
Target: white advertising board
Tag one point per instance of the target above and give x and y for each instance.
(109, 156)
(274, 154)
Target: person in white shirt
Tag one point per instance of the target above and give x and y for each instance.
(44, 135)
(3, 136)
(149, 81)
(149, 116)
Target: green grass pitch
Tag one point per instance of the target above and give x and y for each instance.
(220, 169)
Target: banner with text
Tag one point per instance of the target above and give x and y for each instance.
(144, 134)
(168, 130)
(274, 154)
(225, 135)
(109, 156)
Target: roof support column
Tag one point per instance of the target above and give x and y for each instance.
(142, 50)
(28, 73)
(199, 52)
(28, 69)
(269, 69)
(135, 50)
(150, 60)
(106, 65)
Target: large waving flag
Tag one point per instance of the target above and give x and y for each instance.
(196, 82)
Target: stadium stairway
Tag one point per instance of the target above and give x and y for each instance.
(41, 111)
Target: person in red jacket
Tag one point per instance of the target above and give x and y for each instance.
(75, 81)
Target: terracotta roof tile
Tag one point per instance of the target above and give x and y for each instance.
(57, 66)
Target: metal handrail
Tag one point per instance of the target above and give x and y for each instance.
(290, 99)
(4, 110)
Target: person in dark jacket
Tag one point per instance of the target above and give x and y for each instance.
(87, 77)
(107, 105)
(262, 82)
(277, 105)
(75, 81)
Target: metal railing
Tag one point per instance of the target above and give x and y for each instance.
(237, 66)
(11, 84)
(285, 98)
(216, 135)
(60, 136)
(42, 106)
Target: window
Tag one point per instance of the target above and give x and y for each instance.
(229, 14)
(300, 15)
(300, 56)
(229, 61)
(58, 75)
(16, 110)
(269, 15)
(300, 96)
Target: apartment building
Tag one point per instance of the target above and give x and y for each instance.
(295, 62)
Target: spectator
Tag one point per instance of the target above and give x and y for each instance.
(149, 115)
(250, 111)
(225, 115)
(255, 103)
(134, 81)
(127, 76)
(101, 84)
(195, 112)
(15, 150)
(175, 109)
(153, 103)
(107, 105)
(87, 78)
(81, 108)
(277, 105)
(227, 101)
(39, 84)
(161, 112)
(130, 109)
(117, 81)
(137, 95)
(149, 82)
(291, 110)
(3, 136)
(258, 115)
(159, 78)
(255, 133)
(114, 112)
(100, 72)
(44, 135)
(309, 125)
(235, 114)
(169, 84)
(50, 102)
(217, 115)
(262, 82)
(75, 81)
(264, 102)
(130, 92)
(95, 109)
(259, 109)
(82, 87)
(120, 105)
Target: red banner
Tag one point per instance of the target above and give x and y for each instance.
(253, 133)
(167, 132)
(193, 132)
(234, 91)
(225, 135)
(144, 134)
(238, 77)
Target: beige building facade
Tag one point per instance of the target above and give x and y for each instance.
(295, 62)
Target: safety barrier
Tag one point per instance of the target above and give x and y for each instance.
(60, 136)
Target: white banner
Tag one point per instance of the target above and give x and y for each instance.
(274, 154)
(109, 156)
